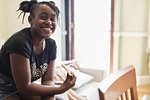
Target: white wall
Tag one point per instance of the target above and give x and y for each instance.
(131, 33)
(3, 21)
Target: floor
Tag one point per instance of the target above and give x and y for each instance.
(143, 89)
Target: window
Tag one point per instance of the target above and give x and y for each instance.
(92, 32)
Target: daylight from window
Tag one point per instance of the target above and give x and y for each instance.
(92, 33)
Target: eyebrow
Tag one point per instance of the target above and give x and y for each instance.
(47, 14)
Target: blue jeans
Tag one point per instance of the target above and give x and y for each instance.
(7, 87)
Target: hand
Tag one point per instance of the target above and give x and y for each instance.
(69, 82)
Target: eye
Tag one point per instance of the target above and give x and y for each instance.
(52, 19)
(43, 17)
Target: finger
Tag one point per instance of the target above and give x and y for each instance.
(72, 74)
(68, 75)
(66, 69)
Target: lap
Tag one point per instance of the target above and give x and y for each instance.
(24, 97)
(12, 97)
(18, 96)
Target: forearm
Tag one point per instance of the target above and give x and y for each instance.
(41, 90)
(48, 97)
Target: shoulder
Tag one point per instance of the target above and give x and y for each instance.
(51, 49)
(20, 38)
(21, 35)
(20, 43)
(50, 41)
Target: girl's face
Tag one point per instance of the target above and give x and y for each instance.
(43, 23)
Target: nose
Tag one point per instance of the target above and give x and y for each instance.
(48, 22)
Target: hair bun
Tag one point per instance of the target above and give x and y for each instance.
(25, 6)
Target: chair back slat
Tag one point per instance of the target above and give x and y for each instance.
(120, 85)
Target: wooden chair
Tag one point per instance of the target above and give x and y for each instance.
(119, 86)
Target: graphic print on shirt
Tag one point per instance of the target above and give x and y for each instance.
(36, 73)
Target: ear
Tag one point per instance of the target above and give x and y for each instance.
(30, 20)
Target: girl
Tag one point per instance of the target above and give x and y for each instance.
(30, 54)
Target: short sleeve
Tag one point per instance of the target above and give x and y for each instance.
(54, 53)
(51, 49)
(20, 46)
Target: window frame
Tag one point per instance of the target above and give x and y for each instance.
(69, 13)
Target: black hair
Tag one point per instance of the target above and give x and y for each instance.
(30, 6)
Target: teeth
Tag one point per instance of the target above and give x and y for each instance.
(47, 29)
(51, 26)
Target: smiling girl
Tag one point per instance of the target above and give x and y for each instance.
(30, 54)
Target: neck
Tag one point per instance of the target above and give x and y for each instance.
(38, 43)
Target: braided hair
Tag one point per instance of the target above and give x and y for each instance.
(30, 6)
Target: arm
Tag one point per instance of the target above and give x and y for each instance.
(20, 67)
(48, 79)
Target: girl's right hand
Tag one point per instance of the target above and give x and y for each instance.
(69, 82)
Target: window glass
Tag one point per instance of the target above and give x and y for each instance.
(92, 33)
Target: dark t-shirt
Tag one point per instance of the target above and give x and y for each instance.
(21, 43)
